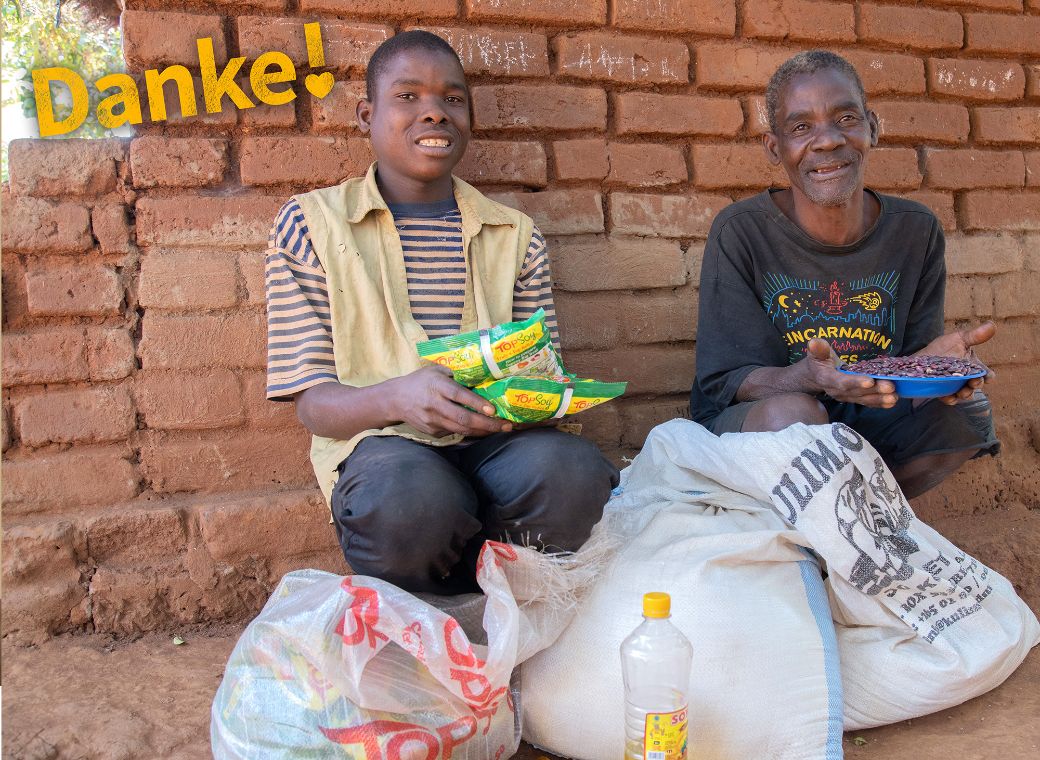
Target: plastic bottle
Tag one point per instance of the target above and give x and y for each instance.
(655, 664)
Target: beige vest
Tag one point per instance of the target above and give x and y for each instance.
(373, 332)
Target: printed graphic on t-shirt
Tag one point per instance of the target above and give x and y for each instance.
(857, 317)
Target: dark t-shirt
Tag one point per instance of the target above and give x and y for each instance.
(767, 288)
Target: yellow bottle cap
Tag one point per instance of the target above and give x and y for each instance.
(657, 604)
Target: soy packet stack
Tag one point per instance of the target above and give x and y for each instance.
(516, 367)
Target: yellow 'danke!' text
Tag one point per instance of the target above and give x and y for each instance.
(124, 106)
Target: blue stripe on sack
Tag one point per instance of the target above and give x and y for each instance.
(816, 596)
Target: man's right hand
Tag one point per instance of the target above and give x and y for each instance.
(821, 371)
(432, 402)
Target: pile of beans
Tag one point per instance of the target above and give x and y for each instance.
(916, 366)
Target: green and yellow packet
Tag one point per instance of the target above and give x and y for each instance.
(533, 399)
(512, 348)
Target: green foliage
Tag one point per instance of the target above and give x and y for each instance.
(42, 33)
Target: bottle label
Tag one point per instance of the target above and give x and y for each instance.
(665, 737)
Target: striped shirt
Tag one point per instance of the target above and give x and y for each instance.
(299, 323)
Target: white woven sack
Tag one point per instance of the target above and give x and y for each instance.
(921, 625)
(765, 680)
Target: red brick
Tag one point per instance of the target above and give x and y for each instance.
(1033, 168)
(616, 263)
(914, 27)
(65, 167)
(653, 114)
(887, 73)
(744, 166)
(559, 212)
(1033, 81)
(703, 16)
(180, 401)
(940, 204)
(67, 354)
(347, 45)
(5, 425)
(198, 342)
(178, 162)
(337, 111)
(237, 531)
(646, 164)
(154, 39)
(892, 169)
(601, 425)
(263, 116)
(737, 65)
(756, 115)
(262, 414)
(959, 294)
(381, 8)
(660, 317)
(187, 280)
(547, 106)
(639, 417)
(588, 320)
(976, 80)
(136, 538)
(210, 462)
(799, 20)
(303, 160)
(504, 162)
(1006, 125)
(599, 55)
(194, 220)
(916, 121)
(32, 225)
(226, 117)
(646, 369)
(496, 52)
(968, 169)
(1014, 343)
(67, 287)
(111, 226)
(551, 11)
(12, 286)
(69, 480)
(1014, 295)
(674, 216)
(251, 265)
(584, 159)
(1006, 5)
(998, 33)
(103, 413)
(1000, 210)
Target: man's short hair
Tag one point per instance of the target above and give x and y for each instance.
(808, 62)
(415, 39)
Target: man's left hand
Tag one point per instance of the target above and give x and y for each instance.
(960, 344)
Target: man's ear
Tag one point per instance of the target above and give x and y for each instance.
(875, 128)
(769, 142)
(364, 115)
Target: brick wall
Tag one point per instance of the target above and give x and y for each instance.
(145, 478)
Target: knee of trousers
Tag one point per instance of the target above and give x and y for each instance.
(404, 535)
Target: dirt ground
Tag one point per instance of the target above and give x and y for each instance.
(85, 697)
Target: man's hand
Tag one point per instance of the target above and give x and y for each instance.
(960, 344)
(432, 402)
(821, 368)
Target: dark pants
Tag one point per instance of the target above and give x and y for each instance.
(417, 516)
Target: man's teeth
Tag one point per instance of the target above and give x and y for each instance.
(434, 143)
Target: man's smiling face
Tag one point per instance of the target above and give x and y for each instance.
(418, 119)
(823, 133)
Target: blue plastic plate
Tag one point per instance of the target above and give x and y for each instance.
(923, 387)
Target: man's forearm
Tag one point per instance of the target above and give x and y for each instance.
(334, 410)
(773, 381)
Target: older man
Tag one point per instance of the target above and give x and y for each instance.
(797, 280)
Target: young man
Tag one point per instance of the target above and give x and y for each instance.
(417, 469)
(796, 281)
